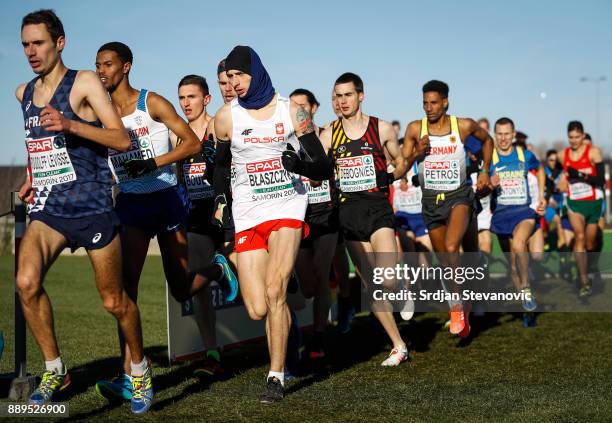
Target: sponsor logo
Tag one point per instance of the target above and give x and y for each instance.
(195, 168)
(59, 142)
(354, 161)
(453, 139)
(144, 143)
(247, 132)
(139, 121)
(280, 129)
(138, 132)
(264, 140)
(43, 144)
(96, 238)
(242, 240)
(342, 149)
(264, 166)
(501, 167)
(171, 228)
(28, 104)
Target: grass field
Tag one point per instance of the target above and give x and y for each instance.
(560, 370)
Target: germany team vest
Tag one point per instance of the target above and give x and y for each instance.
(443, 169)
(358, 161)
(580, 190)
(70, 175)
(148, 139)
(262, 188)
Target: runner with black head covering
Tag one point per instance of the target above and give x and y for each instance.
(260, 130)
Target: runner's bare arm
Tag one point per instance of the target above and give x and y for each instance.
(325, 136)
(19, 92)
(413, 147)
(210, 129)
(388, 137)
(222, 124)
(163, 111)
(542, 190)
(89, 96)
(469, 127)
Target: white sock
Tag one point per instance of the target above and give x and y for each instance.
(138, 369)
(56, 366)
(279, 375)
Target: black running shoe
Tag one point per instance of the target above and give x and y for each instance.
(274, 391)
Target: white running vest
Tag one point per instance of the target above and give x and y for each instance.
(148, 139)
(443, 169)
(408, 201)
(261, 187)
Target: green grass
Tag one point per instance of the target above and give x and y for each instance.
(558, 371)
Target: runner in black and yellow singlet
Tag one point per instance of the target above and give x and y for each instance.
(356, 143)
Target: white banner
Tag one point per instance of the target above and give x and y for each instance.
(234, 326)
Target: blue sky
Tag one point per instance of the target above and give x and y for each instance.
(497, 57)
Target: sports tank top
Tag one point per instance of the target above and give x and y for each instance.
(148, 139)
(358, 161)
(69, 174)
(196, 175)
(580, 190)
(322, 198)
(408, 201)
(442, 170)
(262, 188)
(513, 176)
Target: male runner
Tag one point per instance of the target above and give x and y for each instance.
(436, 144)
(583, 169)
(150, 202)
(260, 130)
(513, 218)
(68, 191)
(314, 260)
(204, 238)
(357, 144)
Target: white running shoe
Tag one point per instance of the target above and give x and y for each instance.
(408, 309)
(396, 357)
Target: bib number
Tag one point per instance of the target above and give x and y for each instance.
(50, 162)
(441, 175)
(198, 188)
(356, 173)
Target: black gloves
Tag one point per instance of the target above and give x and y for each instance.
(415, 181)
(291, 161)
(383, 180)
(135, 168)
(220, 215)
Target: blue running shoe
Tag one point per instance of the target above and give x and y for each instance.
(118, 388)
(142, 391)
(529, 302)
(50, 384)
(230, 289)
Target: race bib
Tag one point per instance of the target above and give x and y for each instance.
(513, 188)
(580, 191)
(441, 175)
(408, 201)
(268, 179)
(141, 147)
(50, 162)
(317, 195)
(356, 173)
(198, 187)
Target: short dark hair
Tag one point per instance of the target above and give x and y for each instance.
(221, 67)
(348, 77)
(396, 122)
(484, 119)
(436, 87)
(550, 152)
(575, 125)
(198, 80)
(122, 50)
(312, 100)
(47, 17)
(587, 136)
(504, 121)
